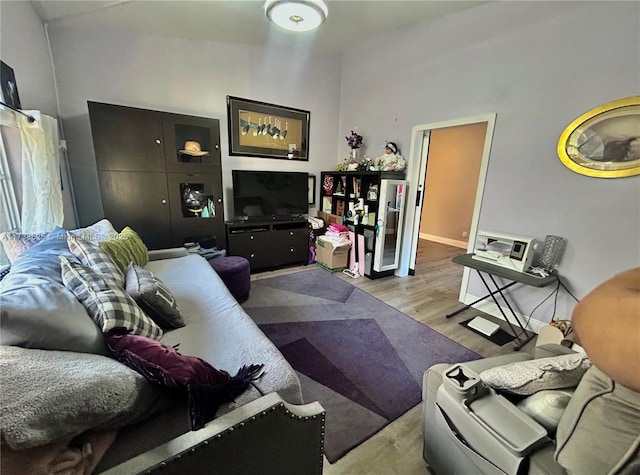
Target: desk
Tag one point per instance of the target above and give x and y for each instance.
(515, 277)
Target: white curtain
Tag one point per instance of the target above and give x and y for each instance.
(42, 208)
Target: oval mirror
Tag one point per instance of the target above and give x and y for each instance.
(605, 141)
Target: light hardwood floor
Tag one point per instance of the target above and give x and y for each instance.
(427, 296)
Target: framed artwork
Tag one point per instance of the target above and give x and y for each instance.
(258, 129)
(605, 141)
(312, 190)
(9, 86)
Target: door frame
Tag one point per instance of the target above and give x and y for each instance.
(416, 175)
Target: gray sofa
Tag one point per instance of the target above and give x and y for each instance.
(264, 430)
(598, 432)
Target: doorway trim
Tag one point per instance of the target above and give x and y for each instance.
(416, 174)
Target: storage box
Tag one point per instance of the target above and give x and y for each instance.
(332, 254)
(329, 218)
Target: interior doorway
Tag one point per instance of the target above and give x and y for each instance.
(422, 138)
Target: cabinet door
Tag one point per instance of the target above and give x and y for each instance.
(196, 202)
(192, 144)
(390, 215)
(139, 200)
(126, 138)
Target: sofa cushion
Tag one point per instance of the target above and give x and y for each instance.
(48, 395)
(126, 247)
(546, 407)
(153, 297)
(107, 303)
(207, 387)
(528, 377)
(38, 311)
(15, 244)
(600, 430)
(93, 256)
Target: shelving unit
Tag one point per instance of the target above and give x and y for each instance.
(372, 204)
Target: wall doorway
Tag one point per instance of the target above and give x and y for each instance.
(416, 176)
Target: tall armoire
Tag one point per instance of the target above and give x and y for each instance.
(159, 173)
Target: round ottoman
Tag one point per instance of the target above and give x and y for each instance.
(235, 272)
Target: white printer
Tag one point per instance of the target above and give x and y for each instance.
(511, 252)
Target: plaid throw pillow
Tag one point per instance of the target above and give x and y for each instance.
(92, 256)
(107, 303)
(153, 297)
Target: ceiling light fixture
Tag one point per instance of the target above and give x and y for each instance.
(296, 15)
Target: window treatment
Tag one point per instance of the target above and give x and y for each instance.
(42, 207)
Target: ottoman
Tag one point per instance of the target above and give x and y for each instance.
(235, 272)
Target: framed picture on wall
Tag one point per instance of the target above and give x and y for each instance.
(258, 129)
(9, 86)
(312, 190)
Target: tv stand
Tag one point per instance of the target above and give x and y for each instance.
(269, 243)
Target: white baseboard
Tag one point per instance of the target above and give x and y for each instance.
(444, 240)
(493, 310)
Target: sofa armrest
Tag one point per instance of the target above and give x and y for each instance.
(169, 253)
(551, 349)
(266, 436)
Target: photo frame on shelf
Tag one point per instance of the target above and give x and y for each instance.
(605, 141)
(312, 190)
(259, 129)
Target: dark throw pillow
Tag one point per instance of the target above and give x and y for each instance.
(153, 297)
(206, 387)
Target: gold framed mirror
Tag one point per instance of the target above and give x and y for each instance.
(605, 141)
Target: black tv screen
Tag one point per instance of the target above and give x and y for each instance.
(272, 195)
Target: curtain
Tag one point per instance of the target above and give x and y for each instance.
(42, 208)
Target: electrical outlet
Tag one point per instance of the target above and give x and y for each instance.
(465, 234)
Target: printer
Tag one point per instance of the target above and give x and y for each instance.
(505, 250)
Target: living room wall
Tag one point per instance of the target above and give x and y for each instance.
(538, 66)
(189, 77)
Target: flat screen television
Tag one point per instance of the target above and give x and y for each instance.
(270, 195)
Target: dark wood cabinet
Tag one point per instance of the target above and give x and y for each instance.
(269, 244)
(159, 173)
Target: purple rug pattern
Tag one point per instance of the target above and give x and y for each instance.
(361, 358)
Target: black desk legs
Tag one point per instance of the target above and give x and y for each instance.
(521, 338)
(490, 294)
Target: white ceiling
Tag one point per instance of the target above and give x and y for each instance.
(243, 21)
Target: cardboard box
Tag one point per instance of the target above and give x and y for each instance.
(332, 254)
(329, 218)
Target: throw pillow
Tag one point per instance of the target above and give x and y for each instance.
(49, 395)
(153, 297)
(206, 387)
(528, 377)
(108, 304)
(93, 256)
(15, 244)
(546, 407)
(38, 311)
(125, 248)
(97, 232)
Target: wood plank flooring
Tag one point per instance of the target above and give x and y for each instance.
(427, 296)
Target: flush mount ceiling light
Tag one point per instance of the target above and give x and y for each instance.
(296, 15)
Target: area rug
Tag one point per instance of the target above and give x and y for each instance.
(361, 358)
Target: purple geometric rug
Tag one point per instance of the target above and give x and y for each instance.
(361, 358)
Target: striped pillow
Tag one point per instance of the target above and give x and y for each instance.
(92, 256)
(107, 303)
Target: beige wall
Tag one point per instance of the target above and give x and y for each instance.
(455, 154)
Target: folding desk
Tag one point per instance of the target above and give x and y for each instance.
(514, 277)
